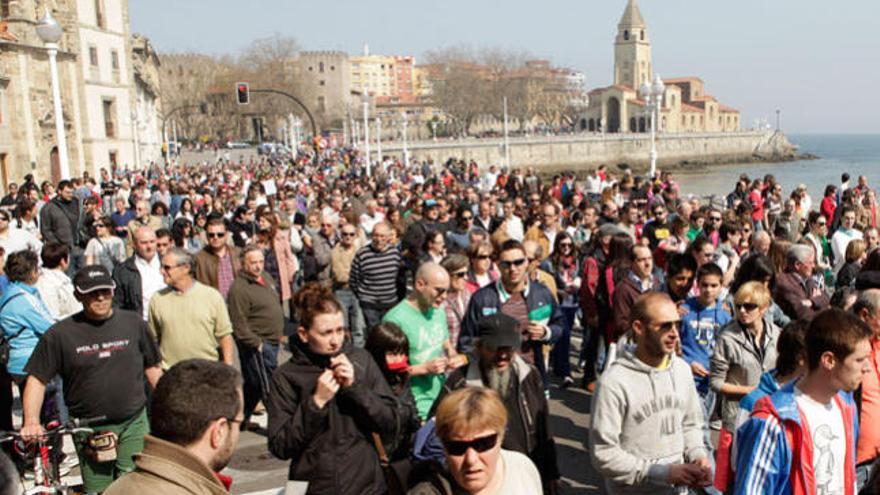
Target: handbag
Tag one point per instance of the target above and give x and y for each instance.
(101, 446)
(395, 472)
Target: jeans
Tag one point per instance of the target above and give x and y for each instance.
(256, 373)
(560, 358)
(708, 402)
(863, 476)
(373, 315)
(53, 400)
(354, 319)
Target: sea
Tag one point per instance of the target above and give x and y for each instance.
(856, 154)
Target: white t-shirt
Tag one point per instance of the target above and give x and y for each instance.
(829, 443)
(151, 280)
(520, 475)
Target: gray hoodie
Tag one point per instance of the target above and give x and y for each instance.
(644, 419)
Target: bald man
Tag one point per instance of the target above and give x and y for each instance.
(646, 434)
(423, 320)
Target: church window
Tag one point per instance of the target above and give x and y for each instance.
(321, 67)
(632, 124)
(643, 34)
(626, 34)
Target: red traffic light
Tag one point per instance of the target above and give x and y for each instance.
(243, 93)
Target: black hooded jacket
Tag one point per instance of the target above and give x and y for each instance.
(331, 448)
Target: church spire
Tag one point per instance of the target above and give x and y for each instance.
(632, 16)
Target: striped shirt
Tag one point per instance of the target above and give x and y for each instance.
(376, 277)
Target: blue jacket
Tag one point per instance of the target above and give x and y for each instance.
(25, 312)
(775, 452)
(487, 301)
(698, 330)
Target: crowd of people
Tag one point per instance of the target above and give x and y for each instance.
(403, 331)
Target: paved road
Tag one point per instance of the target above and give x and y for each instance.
(255, 471)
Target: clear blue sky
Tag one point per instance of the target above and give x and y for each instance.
(815, 60)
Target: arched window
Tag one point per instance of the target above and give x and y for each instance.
(642, 125)
(643, 35)
(626, 34)
(321, 67)
(591, 125)
(632, 124)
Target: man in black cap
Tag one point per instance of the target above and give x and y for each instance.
(496, 364)
(104, 356)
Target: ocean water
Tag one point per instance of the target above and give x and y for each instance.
(856, 154)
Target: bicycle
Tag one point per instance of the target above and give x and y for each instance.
(46, 458)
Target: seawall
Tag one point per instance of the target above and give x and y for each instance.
(587, 150)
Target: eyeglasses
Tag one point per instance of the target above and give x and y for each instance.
(565, 244)
(216, 235)
(168, 268)
(348, 234)
(715, 219)
(461, 274)
(441, 290)
(480, 445)
(505, 265)
(747, 306)
(667, 326)
(482, 257)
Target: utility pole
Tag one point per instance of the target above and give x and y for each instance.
(506, 138)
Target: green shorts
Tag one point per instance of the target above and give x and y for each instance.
(98, 476)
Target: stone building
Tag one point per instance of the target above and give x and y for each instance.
(147, 101)
(96, 80)
(325, 77)
(686, 107)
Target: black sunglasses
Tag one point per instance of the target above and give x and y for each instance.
(507, 264)
(216, 234)
(459, 448)
(747, 306)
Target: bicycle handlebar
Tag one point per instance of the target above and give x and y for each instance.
(72, 427)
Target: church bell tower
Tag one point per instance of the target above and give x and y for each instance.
(632, 49)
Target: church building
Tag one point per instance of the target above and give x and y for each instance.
(686, 107)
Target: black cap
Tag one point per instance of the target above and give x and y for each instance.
(91, 278)
(499, 330)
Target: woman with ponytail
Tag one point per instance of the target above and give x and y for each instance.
(326, 401)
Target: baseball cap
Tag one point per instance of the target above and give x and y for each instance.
(499, 330)
(429, 203)
(91, 278)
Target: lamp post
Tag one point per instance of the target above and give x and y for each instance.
(653, 96)
(378, 140)
(50, 32)
(404, 120)
(366, 99)
(434, 130)
(506, 137)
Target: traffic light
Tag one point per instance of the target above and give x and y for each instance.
(243, 92)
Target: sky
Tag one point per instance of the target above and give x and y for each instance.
(814, 60)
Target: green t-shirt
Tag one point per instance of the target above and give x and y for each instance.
(426, 335)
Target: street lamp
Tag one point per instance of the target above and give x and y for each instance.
(50, 32)
(404, 120)
(434, 130)
(378, 140)
(366, 98)
(653, 96)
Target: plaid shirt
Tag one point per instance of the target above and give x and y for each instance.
(225, 274)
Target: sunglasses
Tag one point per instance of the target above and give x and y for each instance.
(216, 235)
(482, 256)
(505, 265)
(480, 445)
(747, 306)
(348, 234)
(461, 274)
(565, 244)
